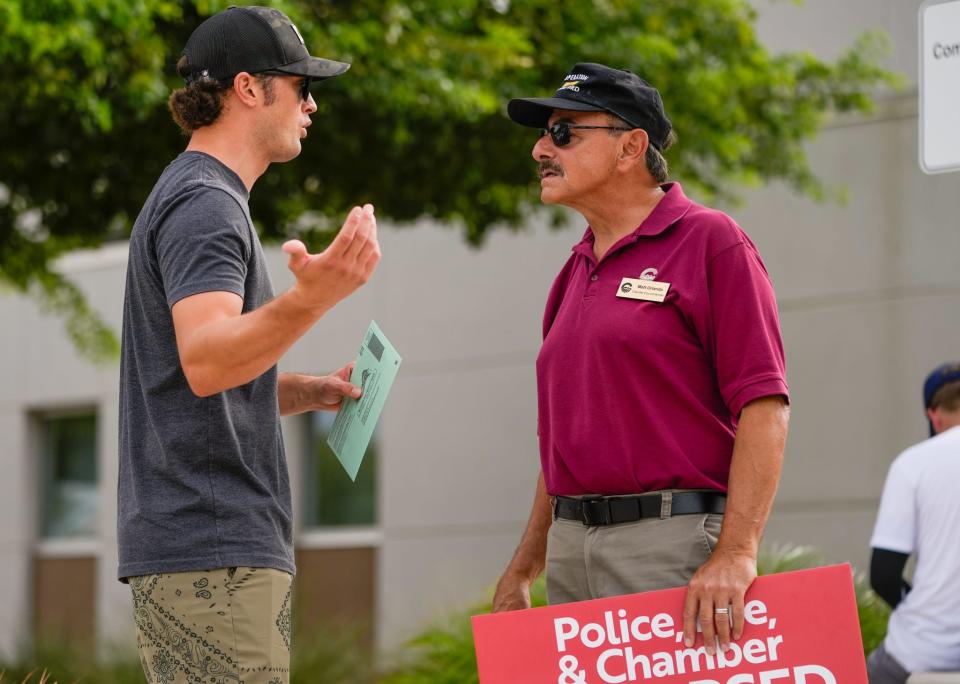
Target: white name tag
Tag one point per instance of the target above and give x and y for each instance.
(646, 290)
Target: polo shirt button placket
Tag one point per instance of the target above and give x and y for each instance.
(590, 291)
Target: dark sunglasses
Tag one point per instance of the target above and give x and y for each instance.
(304, 85)
(305, 88)
(560, 132)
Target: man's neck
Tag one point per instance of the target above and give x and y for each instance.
(618, 216)
(949, 421)
(229, 148)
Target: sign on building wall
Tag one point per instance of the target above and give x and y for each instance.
(940, 86)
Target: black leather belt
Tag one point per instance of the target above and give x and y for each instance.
(609, 510)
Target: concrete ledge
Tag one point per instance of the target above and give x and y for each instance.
(934, 678)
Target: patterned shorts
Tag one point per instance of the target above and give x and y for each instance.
(225, 626)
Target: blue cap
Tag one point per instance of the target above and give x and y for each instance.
(939, 376)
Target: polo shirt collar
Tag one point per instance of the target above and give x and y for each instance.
(668, 211)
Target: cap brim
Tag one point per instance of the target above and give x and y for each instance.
(315, 67)
(535, 111)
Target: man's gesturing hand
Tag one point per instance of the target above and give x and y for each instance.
(721, 583)
(326, 278)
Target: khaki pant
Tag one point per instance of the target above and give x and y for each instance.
(610, 560)
(224, 626)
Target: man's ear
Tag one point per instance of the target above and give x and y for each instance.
(935, 419)
(247, 89)
(633, 148)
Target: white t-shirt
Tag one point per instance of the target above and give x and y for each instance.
(920, 514)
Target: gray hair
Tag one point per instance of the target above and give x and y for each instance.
(656, 164)
(655, 161)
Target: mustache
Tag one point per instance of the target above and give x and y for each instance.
(544, 166)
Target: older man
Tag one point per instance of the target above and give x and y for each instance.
(661, 380)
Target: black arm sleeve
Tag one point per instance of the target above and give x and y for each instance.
(886, 575)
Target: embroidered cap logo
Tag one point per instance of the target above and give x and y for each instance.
(297, 31)
(572, 81)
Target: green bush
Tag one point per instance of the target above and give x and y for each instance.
(873, 612)
(328, 655)
(57, 663)
(444, 654)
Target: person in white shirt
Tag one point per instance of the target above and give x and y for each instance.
(920, 515)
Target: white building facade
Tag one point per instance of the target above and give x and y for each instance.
(868, 294)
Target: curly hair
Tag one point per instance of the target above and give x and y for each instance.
(200, 102)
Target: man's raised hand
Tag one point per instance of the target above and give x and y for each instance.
(347, 263)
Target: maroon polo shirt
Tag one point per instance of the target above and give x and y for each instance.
(636, 396)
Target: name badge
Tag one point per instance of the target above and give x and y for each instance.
(645, 290)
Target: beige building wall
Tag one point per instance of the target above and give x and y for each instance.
(868, 292)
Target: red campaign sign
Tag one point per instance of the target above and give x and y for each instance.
(801, 628)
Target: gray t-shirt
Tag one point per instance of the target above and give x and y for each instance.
(203, 481)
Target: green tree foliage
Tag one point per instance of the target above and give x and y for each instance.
(417, 126)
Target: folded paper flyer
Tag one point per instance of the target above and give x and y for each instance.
(376, 369)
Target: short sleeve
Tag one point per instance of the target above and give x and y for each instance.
(897, 518)
(202, 245)
(745, 340)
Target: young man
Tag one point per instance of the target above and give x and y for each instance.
(205, 527)
(661, 382)
(919, 514)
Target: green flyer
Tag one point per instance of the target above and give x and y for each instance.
(376, 369)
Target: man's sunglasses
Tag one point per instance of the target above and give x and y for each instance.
(560, 132)
(304, 85)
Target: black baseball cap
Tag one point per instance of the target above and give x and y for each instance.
(941, 375)
(593, 87)
(251, 39)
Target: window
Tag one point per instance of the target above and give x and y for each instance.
(69, 494)
(331, 499)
